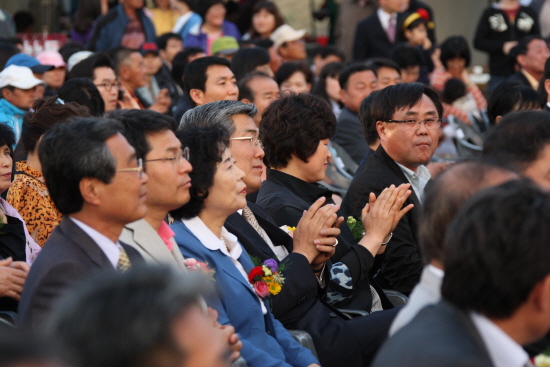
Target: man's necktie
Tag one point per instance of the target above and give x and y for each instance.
(250, 218)
(391, 29)
(123, 264)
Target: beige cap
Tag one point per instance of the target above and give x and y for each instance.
(286, 33)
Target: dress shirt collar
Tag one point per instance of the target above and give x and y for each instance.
(211, 241)
(305, 190)
(503, 350)
(384, 18)
(166, 234)
(418, 179)
(109, 248)
(532, 80)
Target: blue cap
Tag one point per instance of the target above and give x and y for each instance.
(32, 63)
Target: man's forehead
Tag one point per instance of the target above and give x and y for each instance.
(244, 123)
(218, 71)
(424, 105)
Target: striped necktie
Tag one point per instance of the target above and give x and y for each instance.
(124, 263)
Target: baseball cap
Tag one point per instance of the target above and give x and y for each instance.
(78, 57)
(19, 77)
(30, 62)
(149, 47)
(225, 45)
(286, 33)
(51, 58)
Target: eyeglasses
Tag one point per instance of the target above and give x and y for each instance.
(430, 123)
(109, 86)
(138, 169)
(182, 153)
(254, 140)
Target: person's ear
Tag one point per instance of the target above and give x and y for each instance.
(91, 189)
(6, 93)
(497, 119)
(521, 60)
(381, 130)
(547, 87)
(343, 96)
(247, 101)
(197, 96)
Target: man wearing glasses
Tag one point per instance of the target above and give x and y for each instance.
(97, 182)
(407, 120)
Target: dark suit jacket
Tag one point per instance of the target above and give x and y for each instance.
(371, 39)
(68, 257)
(440, 335)
(519, 77)
(402, 264)
(301, 306)
(349, 135)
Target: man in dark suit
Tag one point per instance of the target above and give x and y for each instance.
(301, 304)
(530, 54)
(96, 181)
(377, 34)
(496, 289)
(357, 81)
(407, 121)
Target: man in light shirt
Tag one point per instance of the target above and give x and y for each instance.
(97, 182)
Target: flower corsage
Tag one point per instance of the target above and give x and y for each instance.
(356, 227)
(266, 278)
(194, 265)
(288, 230)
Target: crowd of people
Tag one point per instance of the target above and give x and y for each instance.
(185, 186)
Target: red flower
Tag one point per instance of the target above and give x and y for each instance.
(257, 271)
(424, 14)
(261, 289)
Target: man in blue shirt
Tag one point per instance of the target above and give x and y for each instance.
(18, 90)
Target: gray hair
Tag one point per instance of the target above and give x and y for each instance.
(217, 113)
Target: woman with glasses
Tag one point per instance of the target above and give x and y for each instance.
(28, 193)
(218, 191)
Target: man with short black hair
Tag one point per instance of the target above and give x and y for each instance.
(522, 141)
(387, 72)
(259, 89)
(357, 81)
(98, 184)
(496, 289)
(209, 79)
(407, 118)
(326, 55)
(169, 44)
(531, 54)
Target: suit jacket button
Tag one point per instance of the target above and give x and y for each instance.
(332, 314)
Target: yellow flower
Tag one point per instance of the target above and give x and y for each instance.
(292, 229)
(267, 271)
(274, 288)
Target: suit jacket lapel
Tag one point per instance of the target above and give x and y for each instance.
(149, 241)
(76, 235)
(248, 237)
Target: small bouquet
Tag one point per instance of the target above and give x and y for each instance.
(194, 265)
(356, 227)
(288, 230)
(266, 278)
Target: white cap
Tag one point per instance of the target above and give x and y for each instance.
(286, 33)
(19, 77)
(78, 57)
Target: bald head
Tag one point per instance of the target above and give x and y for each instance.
(443, 199)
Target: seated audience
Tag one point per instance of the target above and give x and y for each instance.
(213, 26)
(301, 304)
(209, 79)
(250, 59)
(544, 86)
(295, 131)
(407, 118)
(455, 57)
(411, 63)
(294, 77)
(522, 141)
(126, 25)
(153, 90)
(28, 193)
(328, 86)
(266, 18)
(187, 18)
(387, 72)
(56, 77)
(97, 198)
(218, 191)
(169, 44)
(85, 93)
(444, 198)
(17, 86)
(357, 81)
(258, 89)
(326, 55)
(149, 316)
(530, 55)
(511, 96)
(482, 320)
(289, 43)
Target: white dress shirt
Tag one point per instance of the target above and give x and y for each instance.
(110, 249)
(418, 179)
(384, 18)
(503, 350)
(214, 243)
